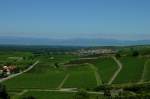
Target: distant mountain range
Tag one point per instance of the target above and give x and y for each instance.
(70, 42)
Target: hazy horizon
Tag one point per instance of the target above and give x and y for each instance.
(103, 19)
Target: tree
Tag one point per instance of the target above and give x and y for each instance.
(29, 97)
(3, 92)
(82, 94)
(135, 53)
(103, 88)
(107, 93)
(56, 65)
(118, 55)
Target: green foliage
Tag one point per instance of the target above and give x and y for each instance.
(21, 60)
(135, 53)
(138, 88)
(48, 95)
(117, 55)
(82, 94)
(3, 92)
(29, 97)
(103, 88)
(107, 93)
(56, 65)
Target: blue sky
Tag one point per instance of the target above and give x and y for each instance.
(119, 19)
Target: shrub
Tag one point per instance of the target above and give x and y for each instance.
(82, 94)
(29, 97)
(135, 53)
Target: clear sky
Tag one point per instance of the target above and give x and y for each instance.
(119, 19)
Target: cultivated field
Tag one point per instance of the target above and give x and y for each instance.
(106, 68)
(44, 75)
(59, 71)
(146, 71)
(132, 70)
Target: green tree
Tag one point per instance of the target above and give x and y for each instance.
(82, 94)
(3, 92)
(135, 53)
(56, 65)
(118, 55)
(107, 93)
(29, 97)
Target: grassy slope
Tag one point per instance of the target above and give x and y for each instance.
(131, 71)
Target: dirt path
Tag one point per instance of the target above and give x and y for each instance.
(144, 71)
(17, 95)
(117, 72)
(22, 93)
(67, 90)
(14, 75)
(98, 78)
(64, 80)
(90, 58)
(64, 90)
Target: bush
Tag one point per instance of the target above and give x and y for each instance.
(118, 55)
(135, 53)
(29, 97)
(3, 92)
(82, 94)
(103, 88)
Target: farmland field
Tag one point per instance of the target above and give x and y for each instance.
(106, 68)
(68, 71)
(146, 75)
(132, 70)
(44, 75)
(34, 80)
(81, 79)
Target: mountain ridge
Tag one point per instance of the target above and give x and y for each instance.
(70, 42)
